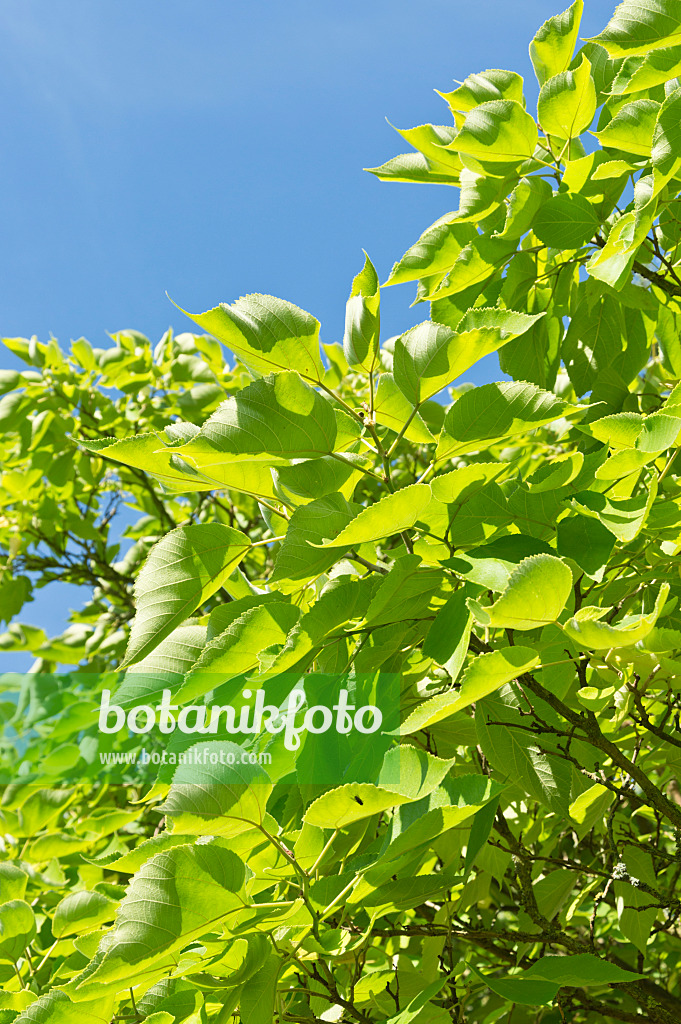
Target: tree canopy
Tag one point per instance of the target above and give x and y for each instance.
(498, 563)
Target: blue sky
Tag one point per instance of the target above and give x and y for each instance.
(213, 147)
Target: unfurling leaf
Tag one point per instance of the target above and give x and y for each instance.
(587, 629)
(485, 675)
(363, 320)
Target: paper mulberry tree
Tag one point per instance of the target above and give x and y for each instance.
(505, 557)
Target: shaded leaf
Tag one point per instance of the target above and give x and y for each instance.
(493, 412)
(309, 545)
(637, 28)
(430, 356)
(632, 127)
(497, 131)
(566, 221)
(276, 418)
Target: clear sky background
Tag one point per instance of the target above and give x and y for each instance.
(215, 147)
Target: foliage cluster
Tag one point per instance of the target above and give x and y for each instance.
(511, 553)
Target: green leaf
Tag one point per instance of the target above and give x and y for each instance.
(567, 102)
(464, 796)
(659, 432)
(645, 72)
(477, 262)
(181, 572)
(57, 1008)
(589, 807)
(130, 863)
(166, 666)
(587, 630)
(341, 599)
(612, 264)
(632, 127)
(81, 912)
(315, 478)
(407, 592)
(411, 772)
(430, 356)
(587, 542)
(480, 512)
(449, 627)
(611, 168)
(175, 898)
(9, 380)
(455, 487)
(666, 150)
(17, 929)
(415, 1006)
(392, 409)
(577, 970)
(536, 356)
(267, 334)
(363, 320)
(434, 252)
(524, 202)
(520, 991)
(535, 595)
(624, 517)
(148, 452)
(235, 651)
(481, 195)
(636, 28)
(404, 893)
(308, 548)
(432, 140)
(258, 999)
(544, 777)
(594, 341)
(553, 889)
(220, 798)
(13, 882)
(343, 806)
(635, 915)
(392, 514)
(485, 675)
(494, 412)
(566, 221)
(494, 84)
(41, 808)
(415, 167)
(499, 131)
(278, 416)
(481, 828)
(553, 45)
(491, 565)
